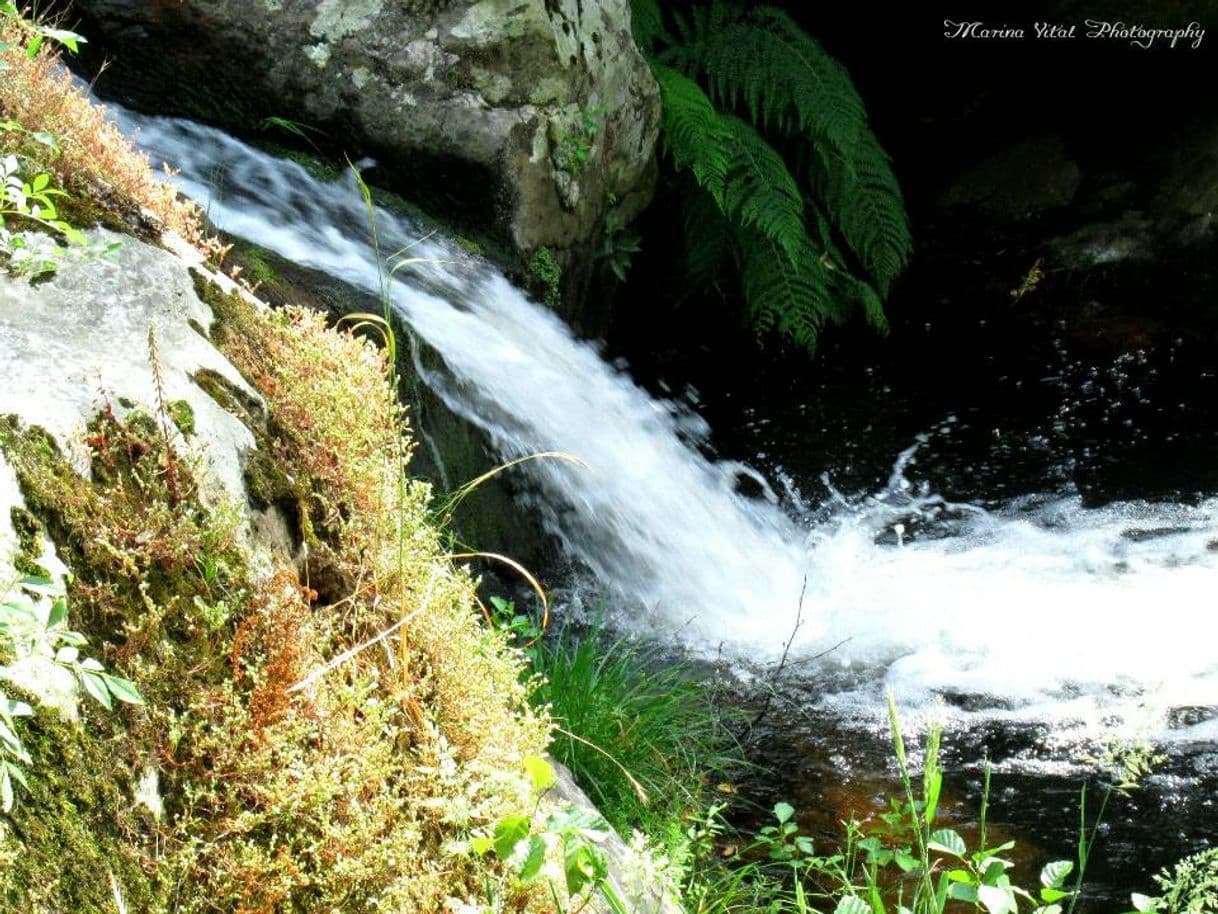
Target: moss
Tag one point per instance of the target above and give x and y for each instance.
(545, 277)
(346, 796)
(75, 827)
(255, 263)
(230, 397)
(470, 246)
(29, 540)
(183, 416)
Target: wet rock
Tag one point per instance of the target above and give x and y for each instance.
(1185, 207)
(1189, 716)
(538, 116)
(1018, 182)
(1125, 239)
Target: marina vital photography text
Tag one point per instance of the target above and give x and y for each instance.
(1137, 35)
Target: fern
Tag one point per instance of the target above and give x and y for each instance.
(760, 193)
(646, 23)
(810, 250)
(792, 298)
(694, 133)
(707, 237)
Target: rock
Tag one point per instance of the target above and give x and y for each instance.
(1185, 209)
(79, 343)
(538, 115)
(1125, 239)
(82, 343)
(1021, 181)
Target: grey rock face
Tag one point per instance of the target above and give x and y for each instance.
(538, 115)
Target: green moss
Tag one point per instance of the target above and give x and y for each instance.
(231, 398)
(75, 828)
(183, 416)
(470, 245)
(545, 277)
(255, 263)
(29, 540)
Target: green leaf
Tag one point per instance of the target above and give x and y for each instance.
(962, 891)
(946, 841)
(481, 845)
(70, 40)
(6, 789)
(993, 870)
(96, 687)
(67, 655)
(907, 862)
(934, 785)
(996, 899)
(1055, 873)
(59, 607)
(783, 812)
(1144, 903)
(540, 772)
(123, 689)
(534, 860)
(510, 831)
(852, 904)
(17, 775)
(10, 740)
(1049, 894)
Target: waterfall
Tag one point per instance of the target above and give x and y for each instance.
(1040, 610)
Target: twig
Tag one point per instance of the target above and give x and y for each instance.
(786, 652)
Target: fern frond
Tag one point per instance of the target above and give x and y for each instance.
(646, 23)
(759, 192)
(764, 63)
(791, 298)
(695, 134)
(707, 237)
(862, 195)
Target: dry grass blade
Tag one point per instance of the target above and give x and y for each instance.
(638, 788)
(462, 492)
(519, 569)
(346, 655)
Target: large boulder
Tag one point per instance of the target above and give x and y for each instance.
(538, 116)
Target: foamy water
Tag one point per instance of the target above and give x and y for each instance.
(1043, 610)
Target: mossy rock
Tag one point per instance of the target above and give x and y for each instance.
(74, 830)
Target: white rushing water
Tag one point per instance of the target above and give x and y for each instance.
(1043, 610)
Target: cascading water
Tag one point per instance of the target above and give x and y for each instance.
(1039, 610)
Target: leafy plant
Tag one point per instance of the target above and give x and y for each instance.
(34, 624)
(38, 33)
(545, 277)
(574, 144)
(30, 201)
(618, 247)
(523, 629)
(569, 833)
(1189, 887)
(784, 175)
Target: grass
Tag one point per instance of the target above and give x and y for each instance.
(641, 734)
